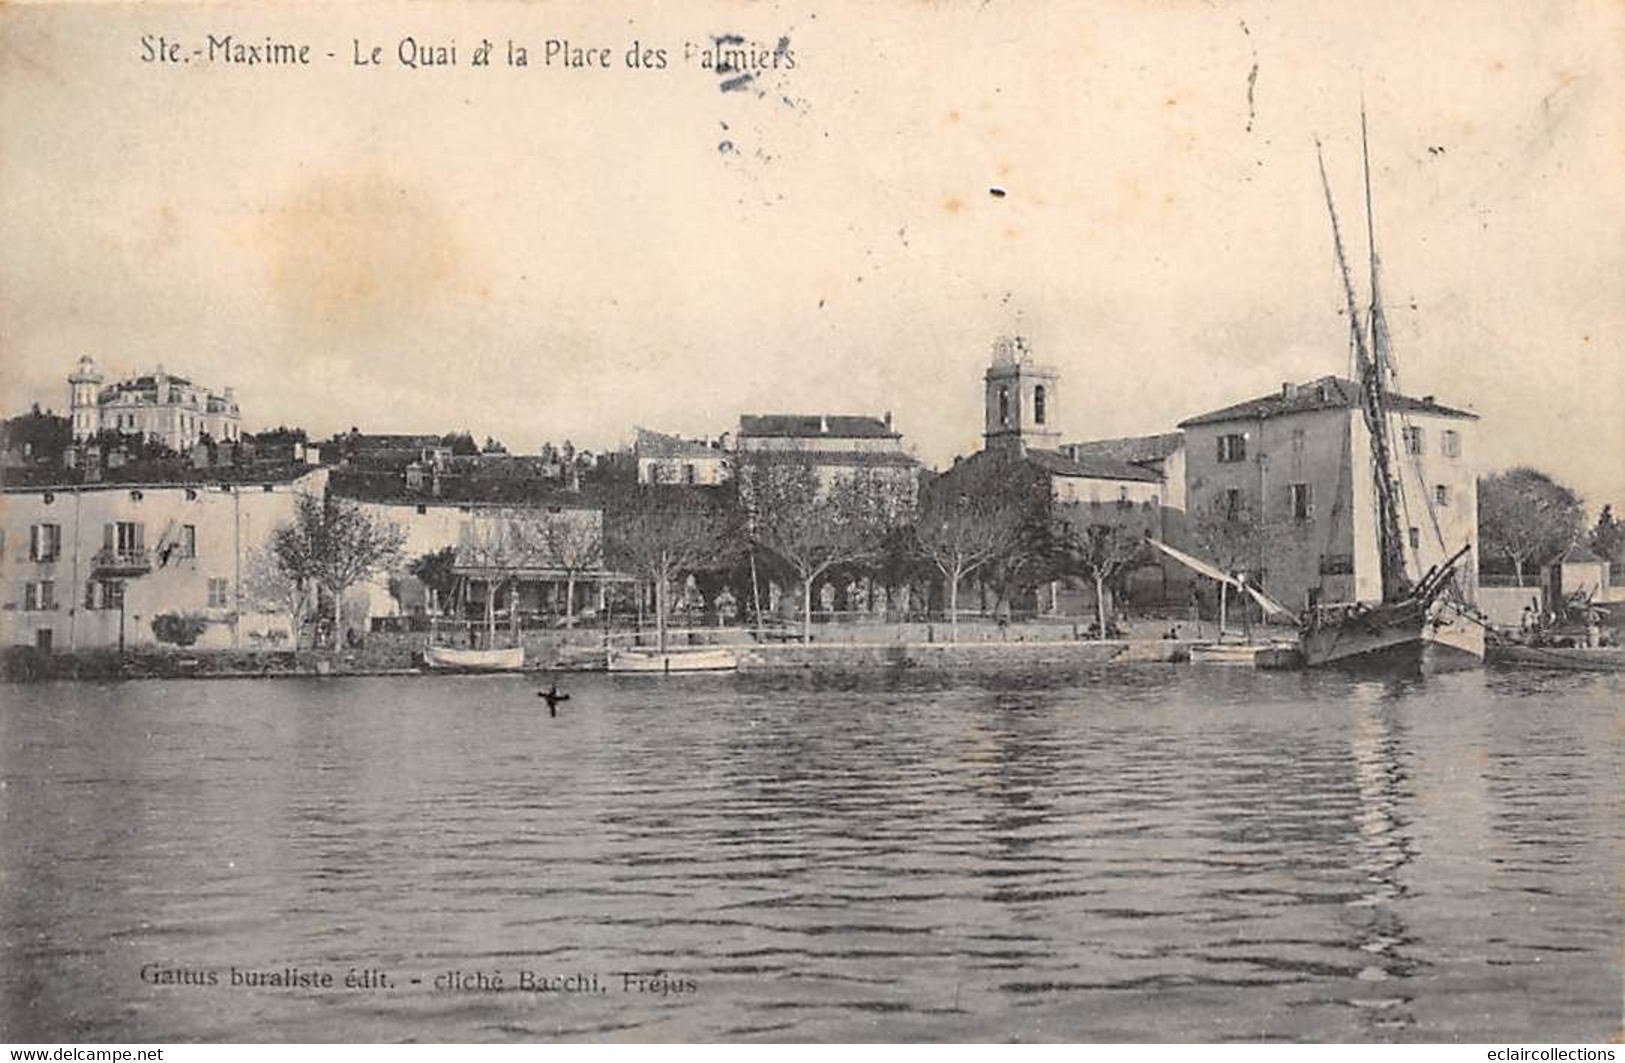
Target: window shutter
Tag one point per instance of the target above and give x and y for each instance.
(33, 542)
(140, 536)
(110, 536)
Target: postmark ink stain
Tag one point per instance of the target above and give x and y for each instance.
(725, 147)
(738, 84)
(1252, 75)
(996, 192)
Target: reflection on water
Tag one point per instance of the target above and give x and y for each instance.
(1126, 854)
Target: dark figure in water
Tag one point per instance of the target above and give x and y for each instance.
(552, 696)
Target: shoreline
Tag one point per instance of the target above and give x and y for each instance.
(101, 667)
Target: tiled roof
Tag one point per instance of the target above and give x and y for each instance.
(387, 441)
(390, 488)
(839, 426)
(1327, 393)
(1089, 468)
(873, 459)
(1578, 554)
(1133, 449)
(149, 474)
(660, 445)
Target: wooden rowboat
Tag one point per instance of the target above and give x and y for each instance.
(451, 659)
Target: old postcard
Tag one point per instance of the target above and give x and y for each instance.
(812, 521)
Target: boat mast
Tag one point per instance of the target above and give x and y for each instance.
(1391, 561)
(1395, 583)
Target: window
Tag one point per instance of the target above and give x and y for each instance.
(1122, 497)
(1413, 440)
(1450, 443)
(187, 543)
(219, 593)
(1038, 404)
(1004, 406)
(1302, 498)
(1298, 440)
(1232, 502)
(1441, 494)
(688, 472)
(104, 594)
(125, 537)
(45, 542)
(40, 596)
(1416, 538)
(1232, 448)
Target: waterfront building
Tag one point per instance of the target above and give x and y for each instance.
(1300, 459)
(89, 566)
(157, 406)
(669, 459)
(1166, 581)
(521, 542)
(835, 446)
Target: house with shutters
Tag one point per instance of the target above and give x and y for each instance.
(92, 565)
(1300, 460)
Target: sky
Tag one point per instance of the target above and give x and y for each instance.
(549, 253)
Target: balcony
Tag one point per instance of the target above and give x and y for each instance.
(122, 562)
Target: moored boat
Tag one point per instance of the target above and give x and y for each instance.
(453, 659)
(701, 659)
(1558, 658)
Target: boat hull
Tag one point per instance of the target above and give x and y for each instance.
(1559, 658)
(451, 659)
(653, 662)
(1354, 642)
(1452, 643)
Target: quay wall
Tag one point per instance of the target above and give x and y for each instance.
(963, 655)
(398, 656)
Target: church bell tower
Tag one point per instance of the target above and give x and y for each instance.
(1020, 409)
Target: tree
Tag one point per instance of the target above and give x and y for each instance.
(1231, 534)
(497, 540)
(460, 443)
(268, 586)
(1526, 516)
(1103, 553)
(334, 544)
(1608, 537)
(662, 534)
(812, 526)
(570, 540)
(434, 571)
(970, 518)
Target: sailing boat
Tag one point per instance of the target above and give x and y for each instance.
(1408, 611)
(1410, 614)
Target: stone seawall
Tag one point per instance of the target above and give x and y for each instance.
(963, 655)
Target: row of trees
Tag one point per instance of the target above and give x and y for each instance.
(991, 522)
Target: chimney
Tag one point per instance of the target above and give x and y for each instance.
(823, 423)
(1289, 390)
(1427, 400)
(888, 420)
